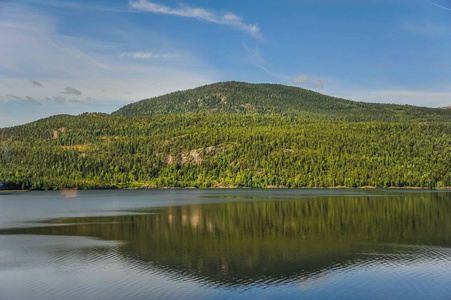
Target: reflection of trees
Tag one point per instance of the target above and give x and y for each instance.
(230, 242)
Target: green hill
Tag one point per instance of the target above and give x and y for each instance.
(233, 134)
(276, 100)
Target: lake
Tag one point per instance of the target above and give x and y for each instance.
(226, 244)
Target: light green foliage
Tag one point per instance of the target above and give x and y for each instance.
(203, 150)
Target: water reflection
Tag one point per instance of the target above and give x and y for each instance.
(70, 193)
(256, 243)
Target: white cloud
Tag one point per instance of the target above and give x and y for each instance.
(427, 29)
(146, 55)
(40, 65)
(198, 13)
(308, 80)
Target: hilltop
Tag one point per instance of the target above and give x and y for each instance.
(276, 100)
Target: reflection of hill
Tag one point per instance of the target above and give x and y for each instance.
(230, 243)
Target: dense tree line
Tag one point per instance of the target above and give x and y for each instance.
(210, 150)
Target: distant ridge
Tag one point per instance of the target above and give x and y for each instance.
(445, 107)
(242, 98)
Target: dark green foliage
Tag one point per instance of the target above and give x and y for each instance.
(277, 100)
(193, 150)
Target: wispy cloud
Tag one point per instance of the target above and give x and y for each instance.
(304, 79)
(255, 56)
(76, 53)
(59, 99)
(440, 6)
(71, 91)
(36, 83)
(78, 73)
(427, 29)
(203, 14)
(30, 99)
(20, 99)
(146, 55)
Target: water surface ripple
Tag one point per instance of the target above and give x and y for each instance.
(315, 244)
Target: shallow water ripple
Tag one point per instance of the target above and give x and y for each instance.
(262, 245)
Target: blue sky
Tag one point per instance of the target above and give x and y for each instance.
(76, 56)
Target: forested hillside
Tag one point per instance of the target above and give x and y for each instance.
(277, 100)
(211, 150)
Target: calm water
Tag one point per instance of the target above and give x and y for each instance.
(226, 244)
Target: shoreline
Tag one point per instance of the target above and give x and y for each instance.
(6, 191)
